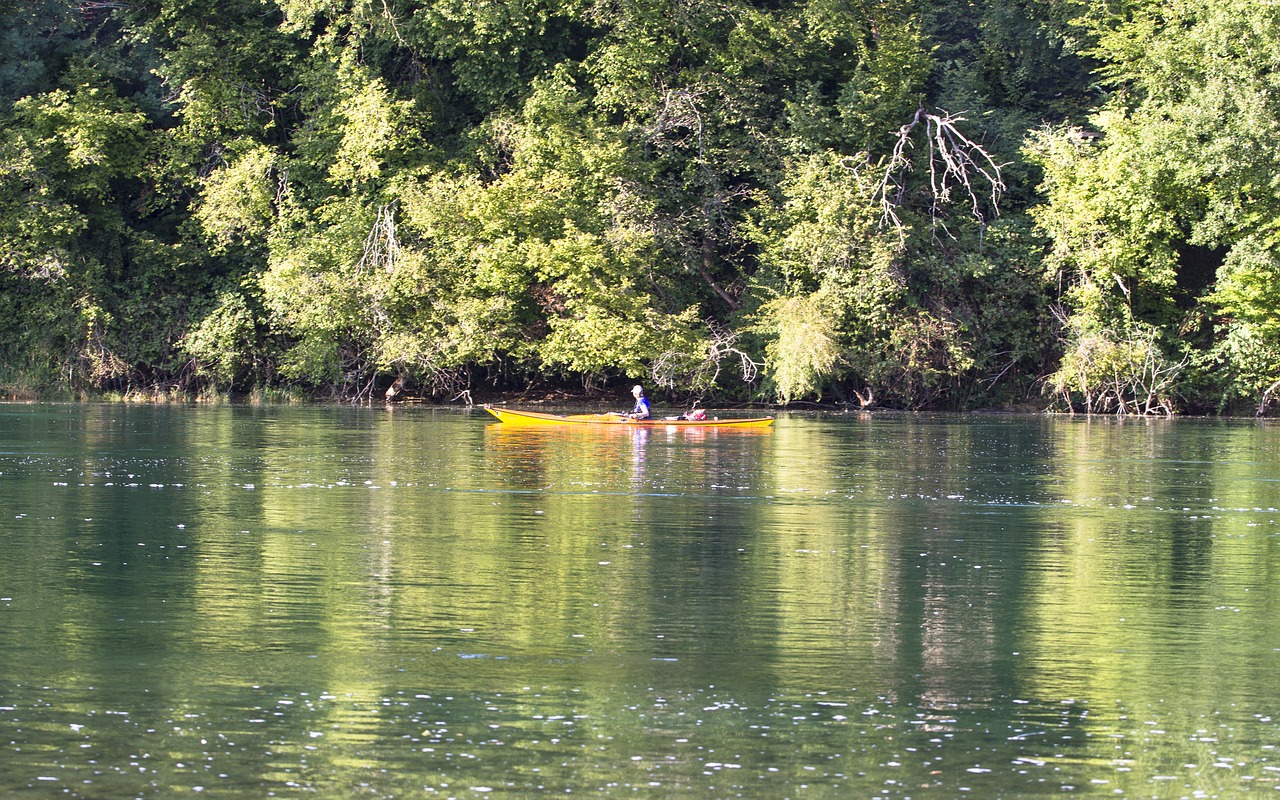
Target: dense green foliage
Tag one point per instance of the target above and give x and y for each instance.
(935, 204)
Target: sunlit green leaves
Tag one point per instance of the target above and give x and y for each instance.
(493, 49)
(87, 136)
(373, 129)
(887, 85)
(222, 342)
(545, 253)
(803, 350)
(236, 201)
(1186, 159)
(444, 190)
(312, 290)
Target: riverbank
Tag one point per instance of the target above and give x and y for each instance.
(538, 399)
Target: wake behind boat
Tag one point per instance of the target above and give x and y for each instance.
(514, 417)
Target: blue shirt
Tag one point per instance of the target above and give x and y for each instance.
(642, 408)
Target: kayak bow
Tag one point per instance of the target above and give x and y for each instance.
(513, 417)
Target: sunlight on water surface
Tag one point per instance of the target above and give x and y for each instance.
(422, 602)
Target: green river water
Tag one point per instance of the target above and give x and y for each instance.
(413, 603)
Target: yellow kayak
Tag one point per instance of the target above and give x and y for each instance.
(538, 418)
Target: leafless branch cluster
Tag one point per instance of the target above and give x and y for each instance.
(89, 6)
(1118, 374)
(256, 102)
(282, 185)
(381, 246)
(98, 363)
(700, 371)
(381, 252)
(954, 161)
(215, 158)
(679, 110)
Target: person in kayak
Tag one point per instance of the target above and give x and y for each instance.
(641, 410)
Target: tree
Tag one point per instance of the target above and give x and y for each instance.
(845, 306)
(1177, 181)
(546, 264)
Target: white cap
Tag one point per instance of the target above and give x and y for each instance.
(636, 388)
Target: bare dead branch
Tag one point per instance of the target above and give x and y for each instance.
(953, 161)
(700, 371)
(1264, 402)
(464, 395)
(282, 186)
(89, 6)
(679, 110)
(381, 246)
(390, 17)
